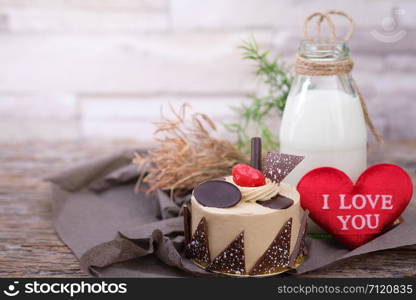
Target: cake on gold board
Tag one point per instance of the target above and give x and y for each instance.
(249, 223)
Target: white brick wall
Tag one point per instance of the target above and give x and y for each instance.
(237, 14)
(79, 21)
(76, 69)
(142, 64)
(46, 116)
(148, 5)
(135, 117)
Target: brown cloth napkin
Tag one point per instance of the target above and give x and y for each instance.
(117, 233)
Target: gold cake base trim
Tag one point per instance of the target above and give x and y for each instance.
(297, 263)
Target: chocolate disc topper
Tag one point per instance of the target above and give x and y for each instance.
(277, 202)
(217, 193)
(278, 165)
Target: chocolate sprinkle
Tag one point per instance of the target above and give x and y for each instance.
(278, 165)
(217, 193)
(277, 202)
(231, 260)
(198, 246)
(256, 153)
(300, 241)
(277, 255)
(187, 224)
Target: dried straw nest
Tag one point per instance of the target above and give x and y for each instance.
(187, 154)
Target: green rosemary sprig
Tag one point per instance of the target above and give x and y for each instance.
(255, 116)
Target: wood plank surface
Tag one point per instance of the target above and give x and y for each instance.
(29, 246)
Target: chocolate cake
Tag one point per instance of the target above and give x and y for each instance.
(250, 223)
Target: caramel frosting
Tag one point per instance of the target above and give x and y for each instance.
(252, 194)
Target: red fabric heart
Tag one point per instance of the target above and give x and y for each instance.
(355, 214)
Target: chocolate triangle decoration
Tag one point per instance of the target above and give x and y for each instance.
(277, 255)
(187, 224)
(231, 260)
(198, 246)
(277, 166)
(300, 247)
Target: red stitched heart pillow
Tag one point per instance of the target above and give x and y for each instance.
(355, 214)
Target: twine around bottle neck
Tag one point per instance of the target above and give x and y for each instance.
(309, 67)
(305, 66)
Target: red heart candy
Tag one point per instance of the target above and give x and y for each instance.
(356, 214)
(244, 175)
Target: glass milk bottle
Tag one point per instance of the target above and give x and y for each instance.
(323, 119)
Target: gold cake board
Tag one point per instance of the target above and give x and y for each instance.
(298, 262)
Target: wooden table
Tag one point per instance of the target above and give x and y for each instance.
(29, 246)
